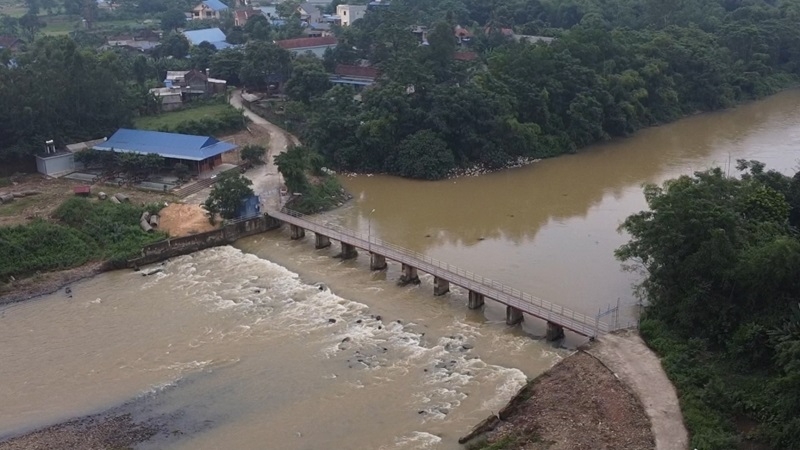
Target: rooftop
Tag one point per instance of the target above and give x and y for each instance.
(290, 44)
(168, 145)
(213, 36)
(214, 5)
(356, 71)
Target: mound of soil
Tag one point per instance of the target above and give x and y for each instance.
(180, 219)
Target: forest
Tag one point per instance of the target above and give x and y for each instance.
(720, 258)
(613, 67)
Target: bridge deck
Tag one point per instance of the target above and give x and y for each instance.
(579, 323)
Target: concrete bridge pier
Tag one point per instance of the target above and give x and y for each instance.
(321, 241)
(513, 315)
(475, 300)
(554, 331)
(297, 232)
(348, 251)
(440, 286)
(376, 261)
(409, 275)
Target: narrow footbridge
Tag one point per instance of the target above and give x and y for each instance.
(558, 318)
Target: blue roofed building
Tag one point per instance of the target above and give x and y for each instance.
(208, 10)
(200, 153)
(213, 36)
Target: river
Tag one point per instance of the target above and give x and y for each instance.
(270, 344)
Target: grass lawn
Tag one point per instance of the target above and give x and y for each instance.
(59, 25)
(173, 118)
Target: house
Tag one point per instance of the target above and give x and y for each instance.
(314, 45)
(199, 152)
(309, 12)
(317, 29)
(463, 35)
(465, 56)
(213, 36)
(241, 16)
(142, 42)
(170, 97)
(270, 12)
(56, 163)
(350, 13)
(196, 82)
(358, 76)
(180, 86)
(532, 39)
(378, 5)
(209, 9)
(10, 43)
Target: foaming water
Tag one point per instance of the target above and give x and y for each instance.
(272, 358)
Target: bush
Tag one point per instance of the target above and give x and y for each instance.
(42, 246)
(254, 154)
(85, 231)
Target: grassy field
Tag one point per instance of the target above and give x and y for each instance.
(172, 119)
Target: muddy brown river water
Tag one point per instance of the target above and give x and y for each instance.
(270, 344)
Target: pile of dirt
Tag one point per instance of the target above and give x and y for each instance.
(579, 404)
(179, 219)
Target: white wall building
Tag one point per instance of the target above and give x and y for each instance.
(350, 13)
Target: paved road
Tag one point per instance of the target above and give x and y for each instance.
(639, 368)
(266, 179)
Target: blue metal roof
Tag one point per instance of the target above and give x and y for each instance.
(215, 5)
(210, 35)
(168, 145)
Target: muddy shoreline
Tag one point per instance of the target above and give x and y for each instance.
(578, 404)
(49, 282)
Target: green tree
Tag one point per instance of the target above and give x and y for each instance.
(263, 64)
(227, 195)
(424, 155)
(226, 64)
(308, 79)
(201, 55)
(175, 45)
(253, 154)
(258, 28)
(172, 20)
(295, 164)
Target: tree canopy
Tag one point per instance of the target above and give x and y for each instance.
(721, 258)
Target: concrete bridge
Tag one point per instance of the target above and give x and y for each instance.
(557, 317)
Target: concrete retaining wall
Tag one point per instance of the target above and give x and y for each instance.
(168, 248)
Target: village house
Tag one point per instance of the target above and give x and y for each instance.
(213, 36)
(182, 86)
(241, 16)
(350, 13)
(10, 43)
(314, 45)
(200, 153)
(463, 35)
(209, 9)
(358, 76)
(143, 41)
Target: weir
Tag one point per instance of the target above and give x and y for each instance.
(517, 303)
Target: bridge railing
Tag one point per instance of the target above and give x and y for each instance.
(368, 241)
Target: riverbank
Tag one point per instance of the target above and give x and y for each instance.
(47, 283)
(101, 431)
(609, 394)
(578, 404)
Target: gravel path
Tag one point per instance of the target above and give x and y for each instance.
(640, 369)
(266, 179)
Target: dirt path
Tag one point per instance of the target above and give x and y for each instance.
(266, 179)
(639, 368)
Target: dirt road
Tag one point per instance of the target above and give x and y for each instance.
(638, 367)
(266, 179)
